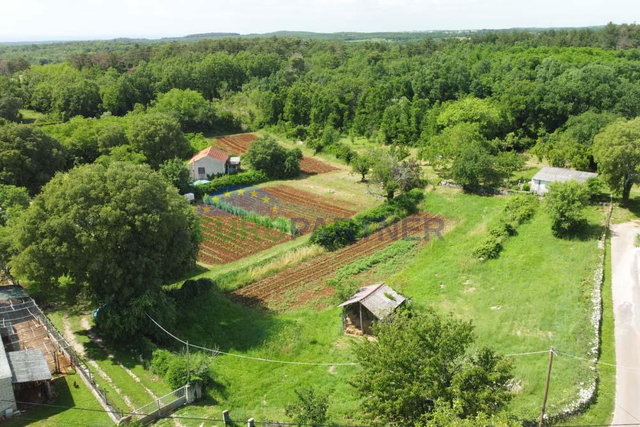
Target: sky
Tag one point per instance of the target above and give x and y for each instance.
(39, 20)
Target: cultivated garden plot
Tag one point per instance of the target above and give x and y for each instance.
(274, 289)
(228, 237)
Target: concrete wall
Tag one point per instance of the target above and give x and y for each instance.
(211, 166)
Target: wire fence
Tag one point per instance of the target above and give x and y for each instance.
(29, 311)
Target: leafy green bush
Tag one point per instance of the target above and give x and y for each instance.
(337, 234)
(266, 155)
(597, 189)
(500, 228)
(243, 178)
(333, 237)
(565, 203)
(520, 208)
(310, 408)
(173, 368)
(489, 248)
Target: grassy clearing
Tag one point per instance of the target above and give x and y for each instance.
(534, 296)
(340, 185)
(261, 389)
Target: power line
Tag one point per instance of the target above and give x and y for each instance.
(561, 353)
(260, 359)
(527, 354)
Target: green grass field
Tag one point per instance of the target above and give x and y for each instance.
(534, 296)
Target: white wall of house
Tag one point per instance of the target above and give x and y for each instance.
(210, 166)
(539, 186)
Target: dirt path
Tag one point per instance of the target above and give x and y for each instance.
(79, 348)
(86, 325)
(625, 262)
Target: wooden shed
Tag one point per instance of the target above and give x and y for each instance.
(371, 303)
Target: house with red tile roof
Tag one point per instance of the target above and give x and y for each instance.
(212, 161)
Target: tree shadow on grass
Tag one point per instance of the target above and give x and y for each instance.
(586, 232)
(217, 320)
(633, 204)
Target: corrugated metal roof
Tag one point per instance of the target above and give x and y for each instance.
(379, 299)
(5, 369)
(28, 366)
(12, 292)
(562, 175)
(212, 152)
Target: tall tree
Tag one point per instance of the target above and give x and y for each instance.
(268, 156)
(394, 172)
(119, 233)
(28, 157)
(616, 150)
(565, 203)
(158, 136)
(418, 360)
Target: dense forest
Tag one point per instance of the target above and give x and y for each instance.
(466, 100)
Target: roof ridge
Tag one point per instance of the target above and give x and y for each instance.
(379, 285)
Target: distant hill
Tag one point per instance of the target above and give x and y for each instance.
(342, 36)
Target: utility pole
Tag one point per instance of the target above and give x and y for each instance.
(546, 388)
(188, 370)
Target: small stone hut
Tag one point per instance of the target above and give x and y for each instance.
(371, 303)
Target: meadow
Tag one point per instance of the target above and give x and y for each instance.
(535, 295)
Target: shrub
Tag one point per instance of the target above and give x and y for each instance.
(520, 208)
(526, 186)
(243, 178)
(337, 234)
(341, 152)
(489, 248)
(500, 228)
(309, 408)
(173, 368)
(268, 156)
(596, 189)
(565, 203)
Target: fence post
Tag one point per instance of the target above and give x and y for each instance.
(251, 423)
(226, 418)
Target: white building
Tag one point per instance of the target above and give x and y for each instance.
(548, 175)
(212, 161)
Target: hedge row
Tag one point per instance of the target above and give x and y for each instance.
(247, 178)
(173, 368)
(344, 232)
(518, 210)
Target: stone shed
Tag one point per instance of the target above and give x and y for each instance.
(368, 305)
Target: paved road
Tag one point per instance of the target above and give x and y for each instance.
(626, 305)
